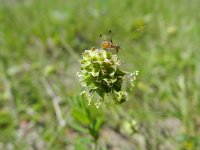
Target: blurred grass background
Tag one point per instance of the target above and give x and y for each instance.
(40, 47)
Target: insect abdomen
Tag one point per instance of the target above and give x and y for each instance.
(106, 45)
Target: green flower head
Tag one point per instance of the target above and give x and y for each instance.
(100, 74)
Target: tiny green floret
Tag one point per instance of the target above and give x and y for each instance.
(100, 74)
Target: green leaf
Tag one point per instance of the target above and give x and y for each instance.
(98, 123)
(77, 127)
(80, 116)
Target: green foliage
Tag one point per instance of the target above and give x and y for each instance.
(89, 120)
(7, 127)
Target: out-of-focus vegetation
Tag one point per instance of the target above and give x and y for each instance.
(40, 46)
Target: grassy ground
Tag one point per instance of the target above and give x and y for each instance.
(40, 47)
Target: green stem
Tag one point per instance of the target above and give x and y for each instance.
(95, 144)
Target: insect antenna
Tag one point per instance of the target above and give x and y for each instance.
(110, 36)
(100, 36)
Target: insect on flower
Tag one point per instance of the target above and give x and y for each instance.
(109, 44)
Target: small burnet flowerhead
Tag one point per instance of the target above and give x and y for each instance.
(120, 97)
(100, 74)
